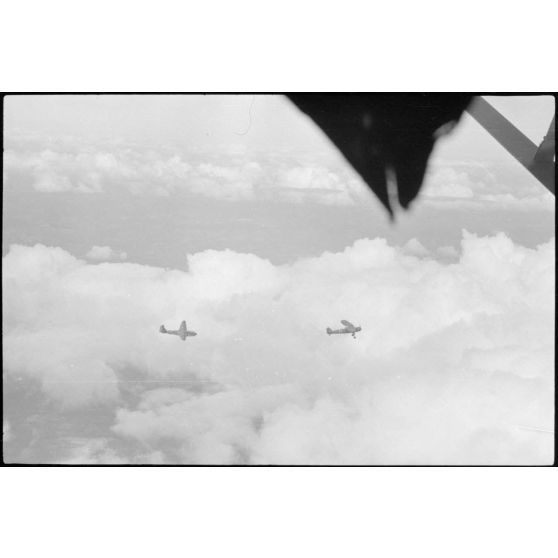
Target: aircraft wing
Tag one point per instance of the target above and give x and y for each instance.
(385, 133)
(346, 323)
(182, 330)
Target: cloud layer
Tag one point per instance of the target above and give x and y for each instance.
(60, 166)
(476, 186)
(52, 165)
(105, 253)
(453, 361)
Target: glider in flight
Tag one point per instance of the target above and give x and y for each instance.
(349, 328)
(182, 331)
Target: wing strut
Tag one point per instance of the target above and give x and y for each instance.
(539, 161)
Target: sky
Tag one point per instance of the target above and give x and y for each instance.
(122, 213)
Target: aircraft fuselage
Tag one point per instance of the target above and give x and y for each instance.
(176, 332)
(349, 329)
(183, 332)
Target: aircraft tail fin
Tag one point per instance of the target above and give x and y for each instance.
(162, 329)
(328, 330)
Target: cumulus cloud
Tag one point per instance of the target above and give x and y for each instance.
(231, 183)
(99, 451)
(451, 359)
(447, 182)
(105, 253)
(6, 431)
(230, 176)
(415, 248)
(52, 182)
(474, 186)
(305, 183)
(448, 251)
(54, 165)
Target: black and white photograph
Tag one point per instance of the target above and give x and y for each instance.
(278, 279)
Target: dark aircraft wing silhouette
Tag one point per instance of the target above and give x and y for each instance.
(347, 323)
(383, 135)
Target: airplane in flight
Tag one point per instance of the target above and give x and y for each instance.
(182, 331)
(349, 328)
